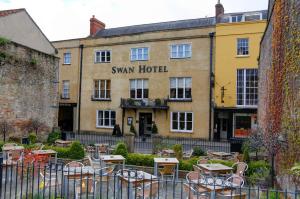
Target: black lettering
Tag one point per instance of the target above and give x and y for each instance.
(154, 68)
(165, 69)
(160, 69)
(131, 69)
(149, 69)
(113, 70)
(142, 69)
(120, 69)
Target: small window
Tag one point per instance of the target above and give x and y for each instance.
(67, 58)
(139, 88)
(182, 121)
(180, 88)
(103, 56)
(253, 17)
(243, 46)
(102, 89)
(180, 51)
(139, 54)
(236, 18)
(106, 119)
(66, 89)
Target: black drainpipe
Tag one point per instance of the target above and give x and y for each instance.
(211, 36)
(80, 82)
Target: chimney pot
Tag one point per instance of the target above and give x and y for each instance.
(95, 26)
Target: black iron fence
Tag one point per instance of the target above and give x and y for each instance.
(148, 144)
(53, 181)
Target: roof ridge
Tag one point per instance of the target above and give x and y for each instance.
(11, 11)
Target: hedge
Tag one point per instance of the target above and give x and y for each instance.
(75, 151)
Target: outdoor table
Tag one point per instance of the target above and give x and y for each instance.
(215, 168)
(48, 152)
(140, 178)
(221, 155)
(63, 143)
(6, 149)
(98, 145)
(113, 159)
(171, 161)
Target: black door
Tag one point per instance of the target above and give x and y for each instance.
(65, 118)
(145, 124)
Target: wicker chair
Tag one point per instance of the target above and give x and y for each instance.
(87, 187)
(193, 194)
(241, 168)
(148, 190)
(168, 170)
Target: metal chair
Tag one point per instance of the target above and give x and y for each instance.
(87, 188)
(241, 168)
(168, 170)
(148, 190)
(73, 164)
(194, 194)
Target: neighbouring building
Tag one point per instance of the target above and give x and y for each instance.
(238, 37)
(28, 73)
(162, 73)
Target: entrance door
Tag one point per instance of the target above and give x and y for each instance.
(224, 128)
(65, 118)
(145, 124)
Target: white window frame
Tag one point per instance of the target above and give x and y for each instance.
(184, 55)
(66, 89)
(100, 51)
(136, 50)
(184, 87)
(99, 88)
(232, 16)
(70, 58)
(244, 88)
(135, 88)
(237, 47)
(185, 122)
(244, 16)
(260, 16)
(103, 126)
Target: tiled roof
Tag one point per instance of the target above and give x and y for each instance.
(172, 25)
(4, 13)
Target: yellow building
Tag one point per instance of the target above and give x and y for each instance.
(238, 37)
(138, 75)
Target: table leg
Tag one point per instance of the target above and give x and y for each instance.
(55, 160)
(123, 164)
(177, 172)
(155, 168)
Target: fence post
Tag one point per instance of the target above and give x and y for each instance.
(129, 140)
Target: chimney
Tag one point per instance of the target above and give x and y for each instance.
(219, 11)
(95, 26)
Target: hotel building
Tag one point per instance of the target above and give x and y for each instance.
(160, 73)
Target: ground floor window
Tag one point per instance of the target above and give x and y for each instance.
(182, 121)
(243, 124)
(106, 118)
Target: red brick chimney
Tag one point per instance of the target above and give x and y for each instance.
(95, 26)
(219, 11)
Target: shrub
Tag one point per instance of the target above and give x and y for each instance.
(1, 145)
(76, 151)
(121, 149)
(140, 159)
(187, 165)
(246, 149)
(32, 138)
(197, 151)
(154, 129)
(54, 135)
(62, 152)
(257, 167)
(178, 151)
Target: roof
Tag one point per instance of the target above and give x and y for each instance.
(153, 27)
(4, 13)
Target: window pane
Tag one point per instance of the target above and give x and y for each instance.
(139, 83)
(138, 93)
(108, 56)
(189, 126)
(132, 93)
(173, 82)
(180, 51)
(146, 93)
(132, 84)
(175, 125)
(174, 51)
(189, 117)
(173, 93)
(145, 83)
(181, 125)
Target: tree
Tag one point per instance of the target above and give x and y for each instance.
(5, 128)
(34, 125)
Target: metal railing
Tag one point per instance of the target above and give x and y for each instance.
(57, 181)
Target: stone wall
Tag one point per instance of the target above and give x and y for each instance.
(28, 87)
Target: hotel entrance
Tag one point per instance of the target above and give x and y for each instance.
(145, 124)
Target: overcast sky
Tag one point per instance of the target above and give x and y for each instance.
(67, 19)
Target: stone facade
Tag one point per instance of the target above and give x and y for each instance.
(28, 87)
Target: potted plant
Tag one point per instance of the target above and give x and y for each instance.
(130, 102)
(154, 129)
(132, 129)
(157, 102)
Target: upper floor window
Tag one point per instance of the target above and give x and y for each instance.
(180, 88)
(253, 17)
(66, 89)
(243, 46)
(247, 87)
(102, 56)
(67, 58)
(236, 18)
(139, 88)
(182, 121)
(102, 89)
(139, 54)
(106, 119)
(181, 51)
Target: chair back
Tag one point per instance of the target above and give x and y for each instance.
(74, 164)
(102, 149)
(168, 169)
(197, 169)
(202, 161)
(87, 186)
(194, 177)
(104, 173)
(192, 193)
(241, 168)
(14, 155)
(235, 182)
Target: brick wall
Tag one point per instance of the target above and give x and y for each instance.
(28, 87)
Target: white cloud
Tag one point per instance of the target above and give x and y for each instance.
(66, 19)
